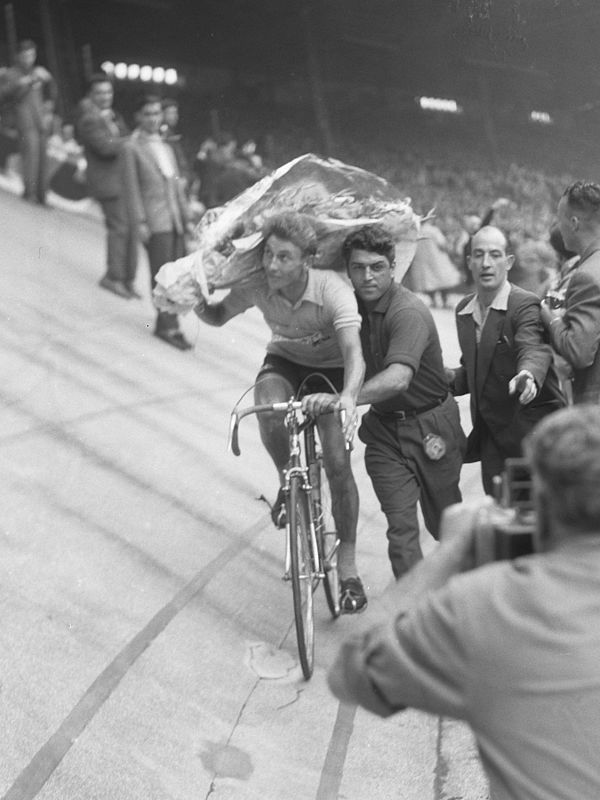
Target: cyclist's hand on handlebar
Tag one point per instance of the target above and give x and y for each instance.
(319, 403)
(349, 417)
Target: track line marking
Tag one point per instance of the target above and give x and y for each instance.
(333, 767)
(35, 775)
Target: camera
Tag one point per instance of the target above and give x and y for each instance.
(505, 530)
(554, 299)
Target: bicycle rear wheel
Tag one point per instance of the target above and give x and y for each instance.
(302, 573)
(327, 538)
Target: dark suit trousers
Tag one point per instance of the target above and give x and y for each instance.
(34, 163)
(403, 475)
(492, 458)
(163, 247)
(121, 240)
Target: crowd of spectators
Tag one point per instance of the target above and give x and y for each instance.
(446, 175)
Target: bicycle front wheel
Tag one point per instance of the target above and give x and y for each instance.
(302, 573)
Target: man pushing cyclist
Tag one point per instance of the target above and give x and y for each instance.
(315, 327)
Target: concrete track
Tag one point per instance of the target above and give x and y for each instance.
(146, 640)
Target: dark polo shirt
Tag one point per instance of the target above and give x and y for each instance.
(401, 330)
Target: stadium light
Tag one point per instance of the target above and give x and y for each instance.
(439, 104)
(543, 117)
(135, 72)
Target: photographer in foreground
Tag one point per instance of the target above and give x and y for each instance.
(512, 647)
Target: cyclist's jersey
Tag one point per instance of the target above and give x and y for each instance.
(305, 331)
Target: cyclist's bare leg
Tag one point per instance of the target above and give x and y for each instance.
(344, 493)
(274, 388)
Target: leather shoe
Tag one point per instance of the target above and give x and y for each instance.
(174, 337)
(116, 287)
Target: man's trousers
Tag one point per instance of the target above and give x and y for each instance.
(403, 475)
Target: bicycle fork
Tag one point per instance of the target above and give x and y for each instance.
(315, 557)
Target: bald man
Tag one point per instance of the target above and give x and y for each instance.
(506, 366)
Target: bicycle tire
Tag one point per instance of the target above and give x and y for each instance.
(327, 538)
(302, 574)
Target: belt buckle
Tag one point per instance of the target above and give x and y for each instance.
(401, 415)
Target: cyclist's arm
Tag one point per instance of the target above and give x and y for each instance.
(218, 314)
(354, 364)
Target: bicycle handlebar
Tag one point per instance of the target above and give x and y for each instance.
(233, 443)
(237, 416)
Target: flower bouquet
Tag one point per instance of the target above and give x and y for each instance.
(338, 199)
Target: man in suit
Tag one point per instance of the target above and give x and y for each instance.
(155, 193)
(505, 365)
(103, 134)
(31, 92)
(574, 329)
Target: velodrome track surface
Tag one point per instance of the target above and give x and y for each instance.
(147, 648)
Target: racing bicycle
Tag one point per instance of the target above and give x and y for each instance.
(311, 539)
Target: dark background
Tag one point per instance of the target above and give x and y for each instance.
(341, 78)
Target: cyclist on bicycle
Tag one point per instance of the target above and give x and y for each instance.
(315, 327)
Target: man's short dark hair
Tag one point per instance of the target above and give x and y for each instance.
(26, 44)
(292, 227)
(169, 102)
(97, 77)
(146, 99)
(373, 239)
(584, 196)
(564, 452)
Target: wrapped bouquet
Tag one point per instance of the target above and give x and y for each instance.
(337, 197)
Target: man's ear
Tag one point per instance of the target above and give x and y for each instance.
(575, 223)
(510, 260)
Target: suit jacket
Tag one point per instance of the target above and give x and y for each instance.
(158, 201)
(511, 340)
(102, 138)
(577, 337)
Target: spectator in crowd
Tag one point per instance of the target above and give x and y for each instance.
(103, 133)
(574, 329)
(535, 265)
(315, 324)
(431, 271)
(506, 366)
(67, 164)
(206, 169)
(235, 172)
(554, 297)
(170, 133)
(412, 432)
(472, 223)
(511, 647)
(155, 193)
(30, 90)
